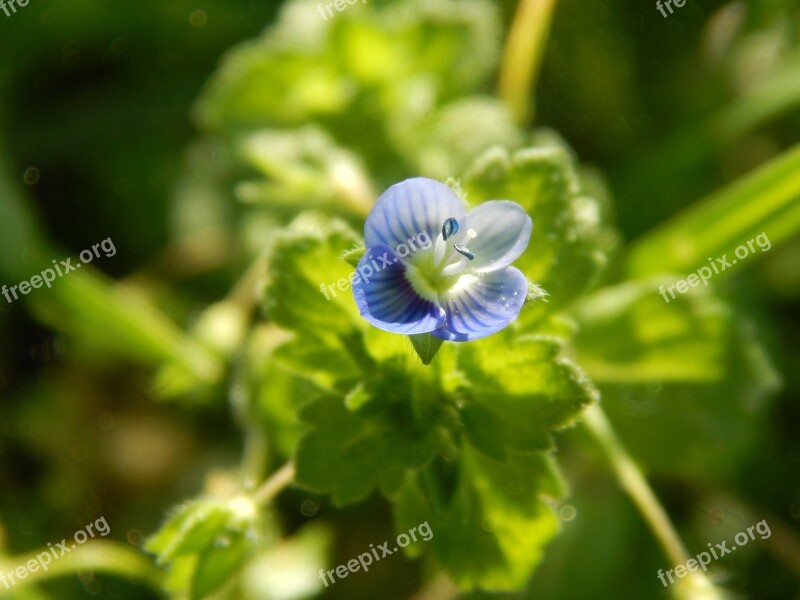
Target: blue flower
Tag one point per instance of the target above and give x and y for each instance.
(430, 266)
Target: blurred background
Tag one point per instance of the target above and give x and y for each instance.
(115, 122)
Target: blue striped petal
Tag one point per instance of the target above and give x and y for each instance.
(386, 299)
(410, 208)
(482, 305)
(497, 232)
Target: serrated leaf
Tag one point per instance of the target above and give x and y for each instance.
(325, 361)
(571, 240)
(350, 452)
(491, 529)
(445, 142)
(518, 391)
(308, 285)
(426, 346)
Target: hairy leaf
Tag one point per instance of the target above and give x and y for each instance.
(489, 519)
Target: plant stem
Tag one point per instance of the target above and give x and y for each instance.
(522, 57)
(272, 486)
(256, 447)
(244, 294)
(695, 585)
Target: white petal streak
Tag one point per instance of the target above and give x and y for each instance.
(502, 230)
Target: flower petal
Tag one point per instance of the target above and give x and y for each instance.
(497, 232)
(386, 299)
(481, 305)
(411, 208)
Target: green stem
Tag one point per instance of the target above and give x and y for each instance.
(522, 57)
(246, 381)
(274, 485)
(244, 401)
(113, 558)
(256, 450)
(695, 585)
(244, 293)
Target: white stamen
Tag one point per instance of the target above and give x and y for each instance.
(439, 250)
(455, 267)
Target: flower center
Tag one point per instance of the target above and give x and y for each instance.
(440, 271)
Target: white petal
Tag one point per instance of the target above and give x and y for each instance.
(497, 233)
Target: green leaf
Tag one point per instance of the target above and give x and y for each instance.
(357, 398)
(571, 240)
(171, 534)
(325, 361)
(219, 562)
(309, 287)
(304, 69)
(280, 394)
(206, 541)
(304, 168)
(489, 520)
(684, 383)
(628, 333)
(370, 442)
(519, 390)
(374, 78)
(455, 42)
(766, 201)
(426, 346)
(190, 529)
(445, 142)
